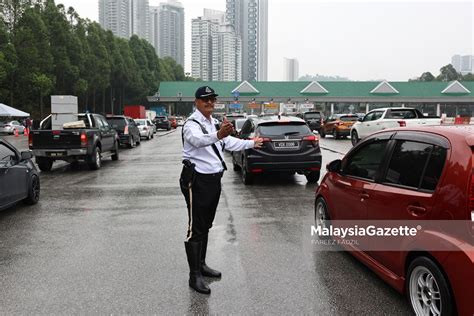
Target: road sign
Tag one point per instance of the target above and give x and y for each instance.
(307, 106)
(219, 106)
(235, 106)
(236, 94)
(271, 105)
(254, 105)
(289, 106)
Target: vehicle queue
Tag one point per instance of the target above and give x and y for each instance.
(401, 167)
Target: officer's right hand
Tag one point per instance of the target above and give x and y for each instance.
(226, 129)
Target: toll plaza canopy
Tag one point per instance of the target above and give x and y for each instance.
(362, 94)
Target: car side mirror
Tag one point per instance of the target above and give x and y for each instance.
(360, 119)
(334, 166)
(26, 155)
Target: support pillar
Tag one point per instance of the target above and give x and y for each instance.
(332, 108)
(367, 108)
(438, 109)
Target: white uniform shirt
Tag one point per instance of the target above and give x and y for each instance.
(197, 145)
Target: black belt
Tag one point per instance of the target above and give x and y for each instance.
(217, 174)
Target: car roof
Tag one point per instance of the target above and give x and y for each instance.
(455, 133)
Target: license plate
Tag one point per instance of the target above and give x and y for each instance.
(286, 144)
(56, 154)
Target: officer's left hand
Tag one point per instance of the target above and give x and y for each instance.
(257, 142)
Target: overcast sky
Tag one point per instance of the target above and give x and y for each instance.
(361, 40)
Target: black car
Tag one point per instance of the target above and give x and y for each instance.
(127, 130)
(314, 119)
(162, 122)
(288, 146)
(19, 179)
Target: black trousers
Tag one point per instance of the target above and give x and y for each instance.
(202, 198)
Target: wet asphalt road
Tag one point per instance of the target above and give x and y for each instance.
(111, 242)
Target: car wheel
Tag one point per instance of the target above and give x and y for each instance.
(322, 133)
(44, 164)
(313, 176)
(115, 155)
(321, 213)
(354, 138)
(33, 191)
(95, 159)
(168, 129)
(335, 134)
(428, 289)
(152, 136)
(247, 177)
(138, 141)
(235, 165)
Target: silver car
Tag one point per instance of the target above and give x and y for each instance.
(152, 125)
(10, 127)
(145, 127)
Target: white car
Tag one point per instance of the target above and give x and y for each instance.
(153, 126)
(11, 126)
(145, 127)
(384, 118)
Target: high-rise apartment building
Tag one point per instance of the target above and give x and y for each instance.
(115, 15)
(140, 18)
(125, 17)
(216, 49)
(463, 64)
(250, 21)
(291, 69)
(155, 28)
(171, 31)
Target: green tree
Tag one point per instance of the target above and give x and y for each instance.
(98, 63)
(34, 56)
(448, 73)
(427, 76)
(468, 77)
(43, 85)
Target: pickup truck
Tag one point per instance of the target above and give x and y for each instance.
(92, 141)
(384, 118)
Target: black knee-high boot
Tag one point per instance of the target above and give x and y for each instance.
(193, 252)
(205, 270)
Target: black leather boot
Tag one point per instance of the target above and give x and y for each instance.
(193, 252)
(205, 270)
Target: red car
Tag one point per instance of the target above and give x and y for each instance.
(407, 176)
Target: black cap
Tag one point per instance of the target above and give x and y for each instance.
(204, 92)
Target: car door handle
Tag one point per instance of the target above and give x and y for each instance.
(416, 210)
(364, 196)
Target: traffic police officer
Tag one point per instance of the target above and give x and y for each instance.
(203, 153)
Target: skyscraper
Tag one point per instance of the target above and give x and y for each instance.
(115, 15)
(140, 18)
(463, 64)
(155, 28)
(250, 21)
(291, 69)
(171, 31)
(216, 49)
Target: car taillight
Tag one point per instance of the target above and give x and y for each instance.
(30, 140)
(83, 140)
(312, 138)
(145, 129)
(256, 170)
(402, 123)
(125, 131)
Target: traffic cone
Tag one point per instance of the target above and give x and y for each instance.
(16, 133)
(26, 131)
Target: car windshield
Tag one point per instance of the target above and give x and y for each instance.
(310, 116)
(279, 129)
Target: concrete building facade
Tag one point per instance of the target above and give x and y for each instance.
(115, 15)
(171, 31)
(250, 21)
(291, 69)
